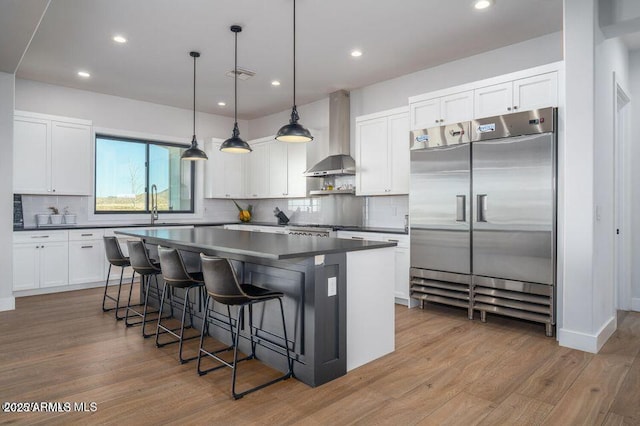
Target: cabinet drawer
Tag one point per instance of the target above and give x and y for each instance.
(86, 234)
(40, 236)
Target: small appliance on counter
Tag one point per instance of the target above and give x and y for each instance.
(282, 218)
(18, 217)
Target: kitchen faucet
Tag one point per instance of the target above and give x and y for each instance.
(154, 203)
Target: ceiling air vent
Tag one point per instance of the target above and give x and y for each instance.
(243, 74)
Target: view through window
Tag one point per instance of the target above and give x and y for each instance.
(127, 168)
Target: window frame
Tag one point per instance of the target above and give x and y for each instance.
(147, 142)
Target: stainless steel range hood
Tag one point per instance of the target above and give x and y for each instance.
(339, 162)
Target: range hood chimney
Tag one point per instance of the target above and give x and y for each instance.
(339, 162)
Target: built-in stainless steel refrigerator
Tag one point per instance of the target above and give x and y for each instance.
(483, 215)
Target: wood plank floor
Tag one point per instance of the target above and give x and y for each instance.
(445, 370)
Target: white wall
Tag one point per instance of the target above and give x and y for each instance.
(121, 113)
(6, 191)
(634, 83)
(611, 57)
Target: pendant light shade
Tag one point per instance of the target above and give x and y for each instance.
(235, 144)
(194, 153)
(294, 131)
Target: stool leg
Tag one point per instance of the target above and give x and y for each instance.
(106, 286)
(164, 290)
(184, 314)
(205, 330)
(253, 343)
(118, 317)
(126, 315)
(235, 356)
(286, 339)
(147, 282)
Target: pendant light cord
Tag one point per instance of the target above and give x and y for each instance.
(194, 95)
(294, 53)
(235, 83)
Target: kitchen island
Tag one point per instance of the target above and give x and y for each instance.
(339, 294)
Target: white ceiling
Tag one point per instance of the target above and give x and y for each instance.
(397, 38)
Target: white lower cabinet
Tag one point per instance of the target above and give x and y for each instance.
(40, 260)
(86, 256)
(402, 260)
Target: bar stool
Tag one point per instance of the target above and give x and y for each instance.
(115, 258)
(175, 276)
(223, 287)
(146, 268)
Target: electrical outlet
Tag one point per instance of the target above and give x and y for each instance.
(332, 286)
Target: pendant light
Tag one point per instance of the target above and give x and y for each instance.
(194, 153)
(235, 144)
(294, 132)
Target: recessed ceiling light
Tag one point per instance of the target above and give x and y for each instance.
(275, 83)
(222, 103)
(356, 53)
(84, 74)
(119, 39)
(483, 4)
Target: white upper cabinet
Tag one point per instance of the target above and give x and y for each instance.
(70, 158)
(31, 152)
(539, 91)
(524, 94)
(273, 170)
(223, 173)
(382, 153)
(257, 171)
(442, 110)
(52, 155)
(278, 172)
(296, 166)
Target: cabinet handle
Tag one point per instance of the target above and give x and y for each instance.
(515, 107)
(392, 240)
(357, 238)
(54, 190)
(87, 247)
(86, 235)
(39, 236)
(508, 108)
(437, 121)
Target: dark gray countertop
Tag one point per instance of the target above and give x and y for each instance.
(200, 224)
(256, 244)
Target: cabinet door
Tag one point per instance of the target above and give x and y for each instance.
(402, 273)
(296, 166)
(257, 172)
(425, 114)
(234, 174)
(456, 108)
(399, 154)
(26, 261)
(539, 91)
(86, 261)
(278, 182)
(493, 100)
(214, 171)
(31, 152)
(70, 158)
(54, 264)
(372, 157)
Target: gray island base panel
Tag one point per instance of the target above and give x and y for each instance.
(339, 294)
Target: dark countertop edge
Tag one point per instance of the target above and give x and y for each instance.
(349, 228)
(119, 225)
(366, 245)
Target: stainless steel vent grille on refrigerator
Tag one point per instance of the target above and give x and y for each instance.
(483, 215)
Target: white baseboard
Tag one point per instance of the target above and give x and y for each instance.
(7, 303)
(635, 304)
(587, 342)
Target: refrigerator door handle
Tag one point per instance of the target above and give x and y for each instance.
(482, 208)
(461, 208)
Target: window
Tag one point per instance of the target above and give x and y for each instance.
(126, 169)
